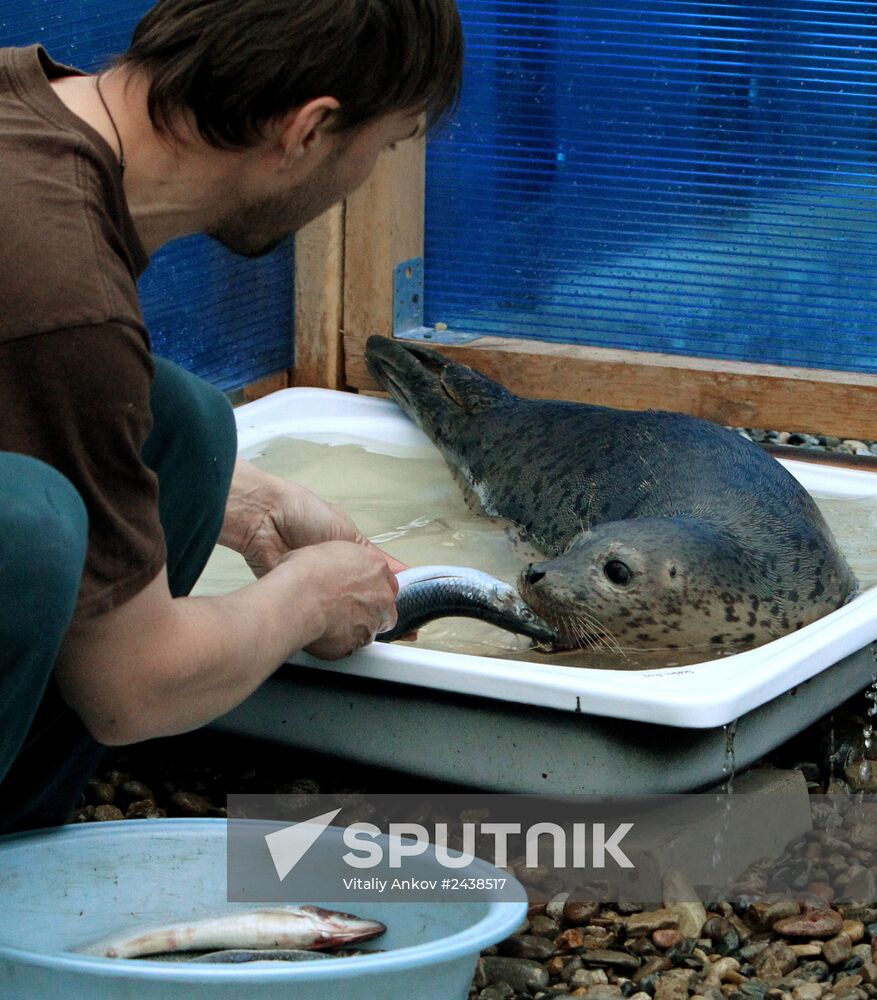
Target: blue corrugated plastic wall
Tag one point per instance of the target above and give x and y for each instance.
(664, 175)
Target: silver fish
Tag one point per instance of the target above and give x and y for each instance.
(430, 592)
(245, 956)
(300, 927)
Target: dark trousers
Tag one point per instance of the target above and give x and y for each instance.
(46, 754)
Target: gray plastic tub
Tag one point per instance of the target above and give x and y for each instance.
(502, 746)
(62, 889)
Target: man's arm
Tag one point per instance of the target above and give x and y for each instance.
(158, 665)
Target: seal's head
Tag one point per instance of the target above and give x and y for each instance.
(656, 582)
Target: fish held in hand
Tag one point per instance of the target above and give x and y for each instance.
(302, 927)
(430, 592)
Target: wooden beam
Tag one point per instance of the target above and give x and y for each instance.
(265, 386)
(383, 227)
(795, 453)
(737, 394)
(319, 301)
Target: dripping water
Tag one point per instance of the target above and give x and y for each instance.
(726, 791)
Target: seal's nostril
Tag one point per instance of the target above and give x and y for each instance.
(533, 575)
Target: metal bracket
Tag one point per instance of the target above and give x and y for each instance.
(408, 308)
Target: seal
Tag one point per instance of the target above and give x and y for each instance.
(660, 530)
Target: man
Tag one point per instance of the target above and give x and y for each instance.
(243, 119)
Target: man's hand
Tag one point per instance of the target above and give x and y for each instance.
(268, 517)
(358, 595)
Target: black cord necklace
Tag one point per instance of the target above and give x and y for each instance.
(122, 163)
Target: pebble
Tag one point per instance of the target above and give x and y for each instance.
(854, 929)
(499, 991)
(592, 977)
(776, 960)
(721, 970)
(523, 975)
(191, 804)
(837, 949)
(716, 928)
(807, 950)
(862, 885)
(583, 978)
(673, 985)
(82, 814)
(812, 972)
(539, 949)
(812, 924)
(762, 915)
(822, 889)
(864, 835)
(571, 939)
(555, 906)
(641, 924)
(105, 812)
(854, 447)
(99, 792)
(144, 809)
(808, 991)
(616, 959)
(659, 963)
(844, 985)
(609, 992)
(133, 791)
(668, 938)
(681, 899)
(579, 913)
(869, 972)
(544, 926)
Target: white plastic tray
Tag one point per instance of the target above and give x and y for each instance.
(698, 696)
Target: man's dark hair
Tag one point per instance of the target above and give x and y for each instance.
(236, 65)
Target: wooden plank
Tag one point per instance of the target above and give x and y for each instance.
(861, 463)
(319, 301)
(383, 227)
(737, 394)
(265, 386)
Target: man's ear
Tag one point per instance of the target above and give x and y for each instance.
(305, 128)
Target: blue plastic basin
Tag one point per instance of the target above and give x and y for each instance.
(62, 889)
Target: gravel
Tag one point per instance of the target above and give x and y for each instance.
(819, 943)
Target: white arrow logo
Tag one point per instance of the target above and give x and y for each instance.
(289, 845)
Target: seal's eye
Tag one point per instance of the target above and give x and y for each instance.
(617, 572)
(527, 615)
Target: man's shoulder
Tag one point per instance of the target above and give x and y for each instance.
(58, 270)
(63, 257)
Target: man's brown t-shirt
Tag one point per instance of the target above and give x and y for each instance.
(75, 361)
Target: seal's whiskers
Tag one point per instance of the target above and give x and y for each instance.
(589, 631)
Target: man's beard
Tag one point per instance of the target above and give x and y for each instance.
(260, 227)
